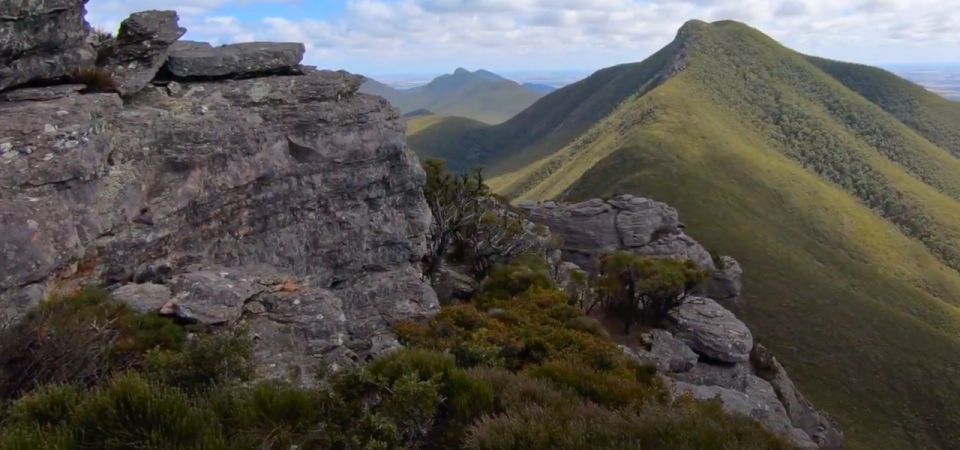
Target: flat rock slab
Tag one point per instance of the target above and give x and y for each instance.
(201, 60)
(712, 330)
(41, 93)
(211, 296)
(143, 298)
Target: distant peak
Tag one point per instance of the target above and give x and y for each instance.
(461, 71)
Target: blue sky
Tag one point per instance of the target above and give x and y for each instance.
(431, 36)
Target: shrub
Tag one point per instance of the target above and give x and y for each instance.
(512, 390)
(412, 405)
(512, 279)
(587, 325)
(269, 414)
(606, 389)
(635, 288)
(79, 339)
(34, 437)
(587, 425)
(131, 412)
(205, 361)
(50, 405)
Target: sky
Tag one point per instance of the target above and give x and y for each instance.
(434, 36)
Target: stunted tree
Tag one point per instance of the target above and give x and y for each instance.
(470, 224)
(500, 235)
(456, 202)
(635, 288)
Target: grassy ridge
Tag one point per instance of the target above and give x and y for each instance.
(860, 314)
(838, 195)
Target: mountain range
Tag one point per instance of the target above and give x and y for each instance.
(480, 95)
(836, 185)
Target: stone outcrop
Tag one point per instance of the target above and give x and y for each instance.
(667, 353)
(757, 401)
(145, 297)
(42, 40)
(141, 49)
(201, 60)
(706, 352)
(712, 330)
(595, 227)
(726, 280)
(290, 203)
(824, 431)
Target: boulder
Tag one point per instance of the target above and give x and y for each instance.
(594, 227)
(201, 60)
(297, 173)
(711, 330)
(453, 284)
(143, 298)
(678, 246)
(42, 40)
(640, 220)
(212, 296)
(824, 431)
(725, 281)
(667, 353)
(140, 49)
(587, 229)
(757, 401)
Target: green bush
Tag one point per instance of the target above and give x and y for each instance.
(204, 361)
(269, 414)
(587, 425)
(606, 389)
(634, 288)
(520, 275)
(131, 412)
(81, 339)
(50, 405)
(587, 325)
(34, 437)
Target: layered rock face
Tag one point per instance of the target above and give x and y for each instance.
(42, 40)
(707, 353)
(289, 203)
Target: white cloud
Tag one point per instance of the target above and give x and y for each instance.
(411, 35)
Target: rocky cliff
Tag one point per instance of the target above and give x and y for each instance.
(706, 353)
(267, 193)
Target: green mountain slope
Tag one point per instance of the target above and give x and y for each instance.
(826, 182)
(430, 131)
(550, 123)
(929, 114)
(479, 95)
